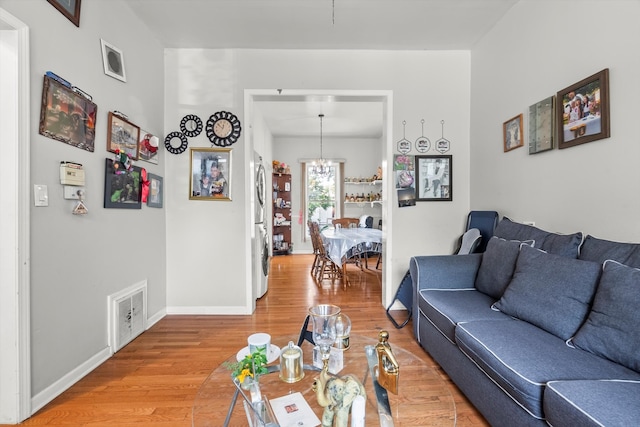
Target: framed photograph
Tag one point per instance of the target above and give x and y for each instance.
(122, 187)
(156, 190)
(210, 174)
(67, 116)
(541, 125)
(512, 133)
(148, 147)
(434, 178)
(113, 61)
(123, 135)
(69, 8)
(583, 111)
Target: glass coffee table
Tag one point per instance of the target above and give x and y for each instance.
(423, 397)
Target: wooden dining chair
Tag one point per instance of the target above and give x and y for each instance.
(346, 222)
(325, 267)
(313, 228)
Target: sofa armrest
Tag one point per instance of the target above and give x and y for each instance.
(444, 271)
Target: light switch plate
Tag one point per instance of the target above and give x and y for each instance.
(40, 195)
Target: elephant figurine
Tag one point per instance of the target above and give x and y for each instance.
(335, 395)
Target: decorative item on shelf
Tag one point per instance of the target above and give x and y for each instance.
(223, 128)
(321, 166)
(388, 367)
(280, 167)
(335, 395)
(423, 144)
(442, 145)
(404, 145)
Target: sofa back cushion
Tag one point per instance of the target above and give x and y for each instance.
(612, 329)
(550, 291)
(600, 250)
(559, 244)
(498, 263)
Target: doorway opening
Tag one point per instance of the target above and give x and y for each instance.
(261, 139)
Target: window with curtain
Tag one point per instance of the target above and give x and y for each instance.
(322, 194)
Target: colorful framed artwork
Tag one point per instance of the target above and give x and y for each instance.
(542, 125)
(156, 191)
(434, 178)
(67, 116)
(69, 8)
(113, 61)
(123, 136)
(148, 147)
(122, 187)
(210, 174)
(583, 111)
(512, 133)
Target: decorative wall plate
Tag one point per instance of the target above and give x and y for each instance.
(223, 128)
(191, 125)
(176, 149)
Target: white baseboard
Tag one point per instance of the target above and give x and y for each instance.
(54, 390)
(208, 310)
(156, 318)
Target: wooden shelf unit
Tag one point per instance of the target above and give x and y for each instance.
(281, 184)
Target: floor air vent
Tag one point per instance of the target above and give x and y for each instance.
(128, 315)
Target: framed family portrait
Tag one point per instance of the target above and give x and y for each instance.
(434, 178)
(210, 174)
(67, 116)
(583, 111)
(113, 61)
(122, 187)
(69, 8)
(156, 191)
(122, 135)
(541, 125)
(512, 133)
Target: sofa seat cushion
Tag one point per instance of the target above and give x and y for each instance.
(554, 243)
(521, 358)
(592, 403)
(446, 308)
(550, 291)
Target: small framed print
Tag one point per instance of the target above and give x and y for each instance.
(154, 199)
(512, 133)
(541, 125)
(583, 111)
(113, 61)
(123, 135)
(434, 178)
(122, 186)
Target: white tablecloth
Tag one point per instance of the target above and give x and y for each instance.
(341, 241)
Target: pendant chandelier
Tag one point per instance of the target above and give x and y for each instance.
(321, 166)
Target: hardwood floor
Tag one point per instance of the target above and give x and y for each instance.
(154, 379)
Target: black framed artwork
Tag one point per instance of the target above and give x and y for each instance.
(434, 178)
(122, 186)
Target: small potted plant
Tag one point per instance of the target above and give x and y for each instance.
(251, 366)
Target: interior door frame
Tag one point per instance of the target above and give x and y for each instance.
(383, 96)
(15, 360)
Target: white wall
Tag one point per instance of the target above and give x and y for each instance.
(539, 48)
(77, 261)
(206, 256)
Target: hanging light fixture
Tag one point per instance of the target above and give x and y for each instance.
(321, 166)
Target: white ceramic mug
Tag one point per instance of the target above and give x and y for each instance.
(259, 341)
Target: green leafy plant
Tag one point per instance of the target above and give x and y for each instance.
(253, 364)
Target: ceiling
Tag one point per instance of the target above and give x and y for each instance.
(321, 24)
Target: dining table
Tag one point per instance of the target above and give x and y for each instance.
(344, 243)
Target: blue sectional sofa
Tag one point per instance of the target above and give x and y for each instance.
(540, 329)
